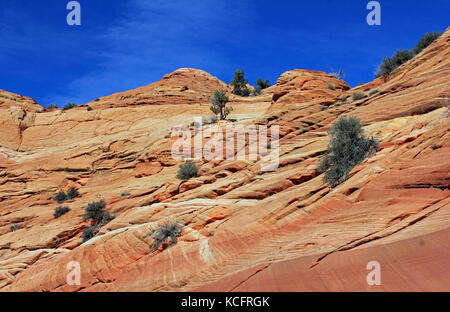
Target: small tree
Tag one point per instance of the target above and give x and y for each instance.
(263, 84)
(425, 41)
(239, 84)
(219, 101)
(53, 106)
(347, 148)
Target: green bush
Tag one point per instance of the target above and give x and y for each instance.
(348, 147)
(187, 170)
(15, 227)
(391, 63)
(262, 84)
(257, 91)
(72, 193)
(53, 106)
(96, 212)
(219, 101)
(425, 41)
(358, 96)
(89, 108)
(59, 211)
(90, 232)
(331, 86)
(239, 84)
(60, 197)
(167, 230)
(69, 106)
(373, 91)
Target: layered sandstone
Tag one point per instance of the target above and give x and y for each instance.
(244, 229)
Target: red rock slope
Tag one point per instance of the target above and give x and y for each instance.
(244, 229)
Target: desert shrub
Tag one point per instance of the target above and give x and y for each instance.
(425, 41)
(262, 84)
(391, 63)
(89, 232)
(69, 106)
(59, 211)
(168, 230)
(373, 91)
(348, 147)
(40, 111)
(324, 107)
(219, 101)
(239, 84)
(15, 227)
(257, 91)
(96, 212)
(435, 147)
(89, 108)
(338, 74)
(358, 96)
(331, 86)
(60, 197)
(52, 106)
(72, 193)
(125, 194)
(187, 170)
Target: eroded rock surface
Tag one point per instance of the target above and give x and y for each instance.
(243, 229)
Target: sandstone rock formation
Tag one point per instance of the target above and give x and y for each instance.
(243, 229)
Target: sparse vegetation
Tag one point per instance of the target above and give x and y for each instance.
(125, 194)
(90, 232)
(338, 74)
(72, 193)
(168, 230)
(435, 147)
(53, 106)
(425, 41)
(373, 91)
(324, 107)
(89, 108)
(391, 63)
(358, 96)
(59, 211)
(69, 106)
(60, 197)
(96, 212)
(239, 84)
(15, 227)
(219, 101)
(187, 170)
(331, 86)
(348, 147)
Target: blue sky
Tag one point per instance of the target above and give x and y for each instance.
(123, 45)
